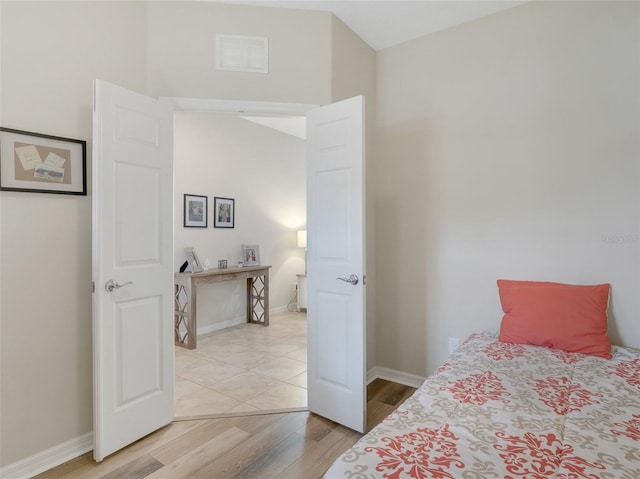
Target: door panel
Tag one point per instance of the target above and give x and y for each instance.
(132, 245)
(335, 229)
(139, 363)
(333, 344)
(333, 218)
(138, 223)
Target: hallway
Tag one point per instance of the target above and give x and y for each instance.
(244, 369)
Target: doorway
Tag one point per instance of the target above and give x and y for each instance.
(245, 369)
(337, 127)
(239, 367)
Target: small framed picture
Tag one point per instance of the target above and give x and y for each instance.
(42, 163)
(224, 212)
(251, 254)
(193, 260)
(195, 211)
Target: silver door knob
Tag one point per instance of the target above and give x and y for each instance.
(112, 285)
(353, 279)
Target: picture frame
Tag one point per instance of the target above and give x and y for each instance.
(39, 163)
(195, 211)
(250, 254)
(194, 261)
(224, 212)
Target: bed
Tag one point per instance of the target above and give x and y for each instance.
(500, 409)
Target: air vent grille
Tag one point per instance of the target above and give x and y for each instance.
(238, 53)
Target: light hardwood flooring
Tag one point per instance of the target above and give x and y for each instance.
(247, 368)
(296, 445)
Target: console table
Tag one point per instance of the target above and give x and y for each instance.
(186, 286)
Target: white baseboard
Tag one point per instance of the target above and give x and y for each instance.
(278, 310)
(399, 377)
(49, 458)
(210, 328)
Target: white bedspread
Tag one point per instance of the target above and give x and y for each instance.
(498, 410)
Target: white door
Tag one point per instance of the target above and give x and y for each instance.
(335, 229)
(133, 350)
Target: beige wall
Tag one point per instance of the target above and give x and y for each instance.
(264, 170)
(353, 67)
(1, 250)
(508, 148)
(51, 53)
(182, 46)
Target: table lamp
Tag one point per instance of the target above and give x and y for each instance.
(302, 243)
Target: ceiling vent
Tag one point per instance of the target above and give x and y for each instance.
(238, 53)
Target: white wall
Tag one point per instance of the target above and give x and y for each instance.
(508, 147)
(265, 172)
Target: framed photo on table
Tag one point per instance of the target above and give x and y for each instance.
(251, 254)
(38, 163)
(224, 212)
(193, 260)
(195, 211)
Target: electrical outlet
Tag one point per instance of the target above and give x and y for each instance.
(453, 345)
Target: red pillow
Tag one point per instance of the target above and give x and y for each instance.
(556, 315)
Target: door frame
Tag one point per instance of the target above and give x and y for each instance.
(239, 107)
(259, 108)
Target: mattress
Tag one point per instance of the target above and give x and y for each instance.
(500, 410)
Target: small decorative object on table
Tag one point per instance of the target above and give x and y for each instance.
(251, 254)
(193, 260)
(222, 263)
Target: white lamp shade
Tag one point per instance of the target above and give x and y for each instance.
(302, 239)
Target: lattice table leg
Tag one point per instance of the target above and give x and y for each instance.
(184, 336)
(258, 300)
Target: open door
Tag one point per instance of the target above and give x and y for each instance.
(335, 277)
(133, 352)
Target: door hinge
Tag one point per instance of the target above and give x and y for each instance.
(93, 286)
(364, 279)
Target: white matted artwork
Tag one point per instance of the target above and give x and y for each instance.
(194, 262)
(195, 211)
(224, 212)
(251, 254)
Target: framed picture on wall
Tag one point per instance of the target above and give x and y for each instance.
(195, 211)
(224, 212)
(251, 254)
(39, 163)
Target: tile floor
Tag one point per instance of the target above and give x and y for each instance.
(247, 368)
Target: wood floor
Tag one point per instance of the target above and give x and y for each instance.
(295, 445)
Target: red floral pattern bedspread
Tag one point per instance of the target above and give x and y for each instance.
(498, 410)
